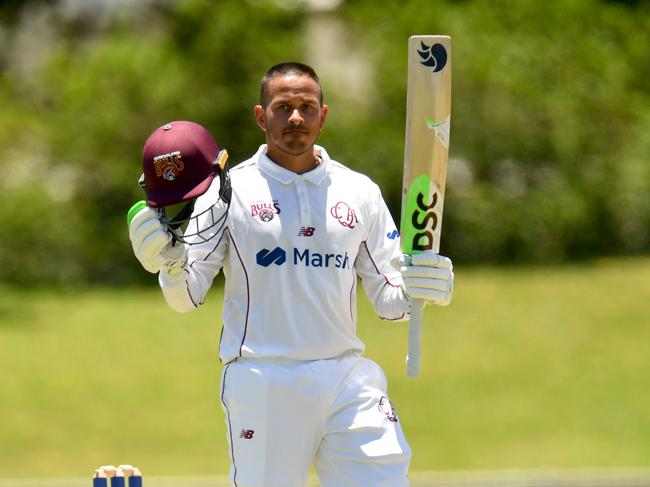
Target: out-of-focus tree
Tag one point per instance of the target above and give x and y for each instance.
(80, 113)
(550, 113)
(550, 120)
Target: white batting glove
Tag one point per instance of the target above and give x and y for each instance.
(427, 276)
(153, 244)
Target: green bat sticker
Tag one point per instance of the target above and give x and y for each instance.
(441, 129)
(419, 221)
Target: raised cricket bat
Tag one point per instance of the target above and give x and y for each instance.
(428, 110)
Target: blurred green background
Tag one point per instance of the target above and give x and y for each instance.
(551, 116)
(547, 218)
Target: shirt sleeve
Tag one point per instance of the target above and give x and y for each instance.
(381, 281)
(205, 257)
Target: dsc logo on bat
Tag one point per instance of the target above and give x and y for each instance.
(422, 215)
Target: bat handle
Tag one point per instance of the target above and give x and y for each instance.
(415, 338)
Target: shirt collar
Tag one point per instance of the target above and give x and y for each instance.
(284, 176)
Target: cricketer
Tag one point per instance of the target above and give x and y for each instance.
(293, 231)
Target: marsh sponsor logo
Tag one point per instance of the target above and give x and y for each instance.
(303, 257)
(315, 259)
(266, 257)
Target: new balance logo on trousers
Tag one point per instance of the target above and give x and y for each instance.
(247, 434)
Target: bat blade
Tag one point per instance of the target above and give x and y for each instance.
(426, 148)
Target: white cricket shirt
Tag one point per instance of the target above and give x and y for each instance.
(292, 249)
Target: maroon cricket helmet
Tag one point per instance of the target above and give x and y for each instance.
(180, 160)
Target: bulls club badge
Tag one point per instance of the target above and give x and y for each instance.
(168, 165)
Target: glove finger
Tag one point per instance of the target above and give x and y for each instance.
(399, 261)
(431, 296)
(431, 259)
(422, 283)
(428, 272)
(146, 230)
(153, 245)
(142, 217)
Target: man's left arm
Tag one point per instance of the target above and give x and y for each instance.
(381, 281)
(390, 279)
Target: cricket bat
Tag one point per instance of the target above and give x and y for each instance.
(426, 146)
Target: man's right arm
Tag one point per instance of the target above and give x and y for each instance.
(186, 290)
(186, 272)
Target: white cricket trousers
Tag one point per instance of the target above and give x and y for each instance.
(283, 416)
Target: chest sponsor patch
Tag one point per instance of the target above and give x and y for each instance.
(303, 258)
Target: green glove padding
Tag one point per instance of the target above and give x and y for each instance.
(134, 210)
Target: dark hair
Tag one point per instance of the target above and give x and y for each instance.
(288, 68)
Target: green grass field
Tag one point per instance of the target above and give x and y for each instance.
(528, 368)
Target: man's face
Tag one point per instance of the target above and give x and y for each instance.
(293, 116)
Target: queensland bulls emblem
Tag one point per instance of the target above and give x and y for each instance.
(344, 214)
(387, 409)
(168, 165)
